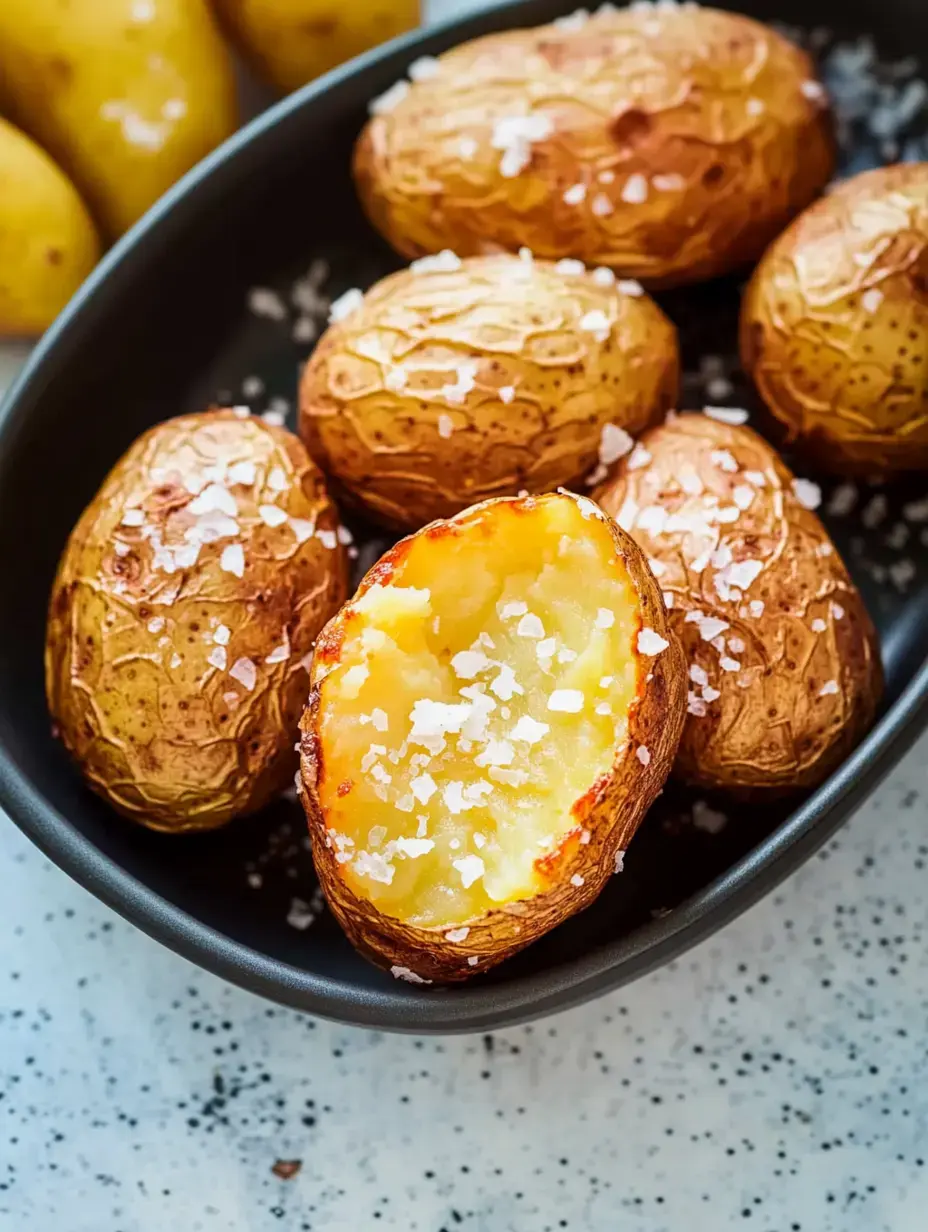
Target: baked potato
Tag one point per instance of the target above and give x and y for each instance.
(48, 244)
(184, 609)
(669, 142)
(783, 659)
(456, 381)
(126, 95)
(490, 718)
(289, 42)
(835, 322)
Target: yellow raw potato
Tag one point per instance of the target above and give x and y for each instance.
(292, 41)
(456, 381)
(125, 94)
(834, 327)
(671, 143)
(48, 244)
(490, 718)
(783, 659)
(185, 607)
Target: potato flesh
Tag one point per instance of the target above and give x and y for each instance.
(425, 825)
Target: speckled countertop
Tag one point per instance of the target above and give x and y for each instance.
(773, 1080)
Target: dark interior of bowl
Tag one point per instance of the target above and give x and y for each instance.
(168, 329)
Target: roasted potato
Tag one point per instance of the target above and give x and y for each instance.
(490, 718)
(784, 665)
(290, 42)
(182, 616)
(48, 244)
(125, 94)
(671, 143)
(455, 381)
(834, 327)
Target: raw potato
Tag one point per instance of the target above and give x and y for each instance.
(783, 659)
(48, 244)
(458, 381)
(125, 94)
(290, 42)
(185, 605)
(490, 718)
(670, 142)
(835, 324)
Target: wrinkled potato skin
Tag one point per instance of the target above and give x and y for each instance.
(612, 811)
(290, 42)
(160, 743)
(849, 380)
(48, 244)
(638, 92)
(520, 322)
(769, 731)
(125, 94)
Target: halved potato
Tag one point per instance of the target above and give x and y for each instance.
(490, 718)
(783, 659)
(456, 381)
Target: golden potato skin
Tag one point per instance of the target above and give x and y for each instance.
(412, 454)
(48, 243)
(612, 810)
(835, 321)
(772, 728)
(290, 42)
(125, 94)
(134, 666)
(695, 136)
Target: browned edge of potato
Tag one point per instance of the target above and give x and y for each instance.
(670, 143)
(834, 324)
(609, 813)
(457, 381)
(185, 605)
(784, 662)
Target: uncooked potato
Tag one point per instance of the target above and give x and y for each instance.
(125, 94)
(292, 41)
(48, 243)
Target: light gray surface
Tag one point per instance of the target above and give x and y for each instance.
(774, 1080)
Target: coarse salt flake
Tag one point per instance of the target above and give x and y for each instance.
(530, 626)
(568, 701)
(808, 494)
(444, 262)
(348, 302)
(577, 880)
(614, 443)
(575, 194)
(651, 643)
(635, 191)
(389, 99)
(733, 415)
(272, 515)
(471, 868)
(232, 559)
(605, 618)
(829, 688)
(597, 323)
(445, 425)
(529, 730)
(406, 973)
(457, 934)
(643, 755)
(424, 68)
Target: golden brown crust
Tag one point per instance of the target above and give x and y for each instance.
(143, 641)
(793, 684)
(611, 813)
(835, 321)
(400, 403)
(696, 134)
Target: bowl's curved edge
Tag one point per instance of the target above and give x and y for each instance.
(401, 1007)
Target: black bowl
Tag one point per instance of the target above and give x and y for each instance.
(162, 327)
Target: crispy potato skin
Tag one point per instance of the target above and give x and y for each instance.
(611, 811)
(518, 325)
(166, 737)
(713, 100)
(835, 320)
(771, 729)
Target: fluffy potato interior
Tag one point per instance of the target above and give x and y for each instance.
(480, 692)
